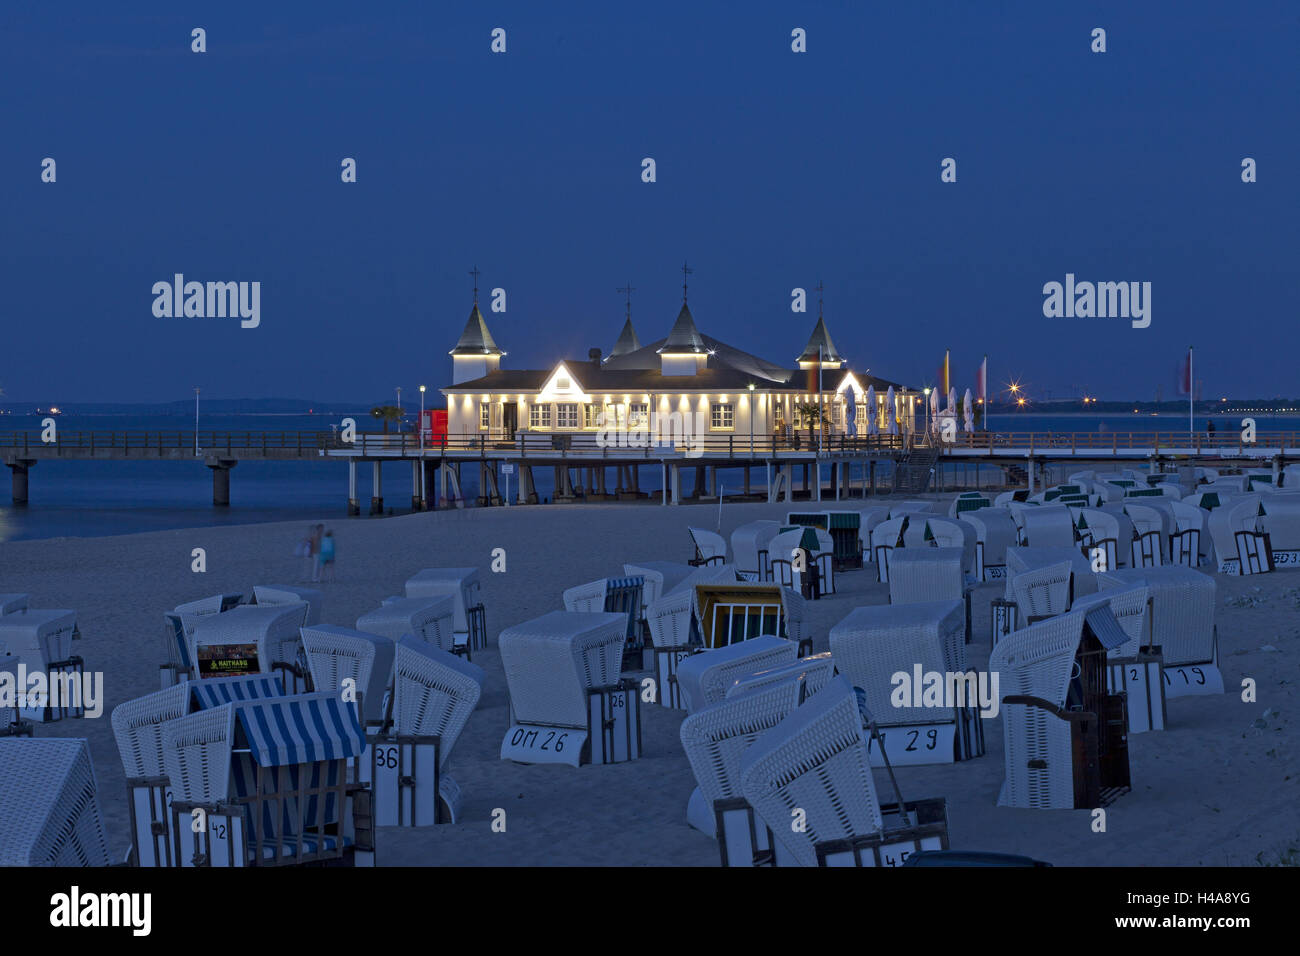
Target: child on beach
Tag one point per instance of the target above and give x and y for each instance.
(314, 545)
(327, 554)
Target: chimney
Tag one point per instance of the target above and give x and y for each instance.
(594, 356)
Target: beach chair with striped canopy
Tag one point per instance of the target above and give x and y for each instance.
(569, 703)
(470, 617)
(49, 804)
(265, 595)
(429, 619)
(434, 694)
(344, 661)
(815, 760)
(714, 739)
(269, 778)
(137, 728)
(872, 644)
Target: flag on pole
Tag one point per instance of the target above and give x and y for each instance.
(947, 373)
(1185, 375)
(982, 381)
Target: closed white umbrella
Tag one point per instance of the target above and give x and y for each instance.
(872, 427)
(934, 408)
(890, 411)
(952, 401)
(970, 413)
(851, 413)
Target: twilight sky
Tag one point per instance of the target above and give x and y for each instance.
(774, 170)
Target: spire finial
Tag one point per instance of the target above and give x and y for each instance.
(819, 298)
(628, 290)
(475, 273)
(686, 271)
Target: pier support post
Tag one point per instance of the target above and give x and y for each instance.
(699, 489)
(747, 481)
(871, 476)
(677, 483)
(416, 501)
(1277, 459)
(354, 505)
(19, 467)
(789, 484)
(221, 480)
(636, 480)
(817, 478)
(377, 491)
(430, 488)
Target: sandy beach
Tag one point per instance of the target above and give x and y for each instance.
(1219, 787)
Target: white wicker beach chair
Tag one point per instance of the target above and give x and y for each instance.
(670, 620)
(430, 619)
(337, 655)
(469, 623)
(553, 660)
(137, 728)
(798, 624)
(710, 547)
(814, 761)
(814, 671)
(967, 502)
(750, 545)
(1281, 522)
(1235, 530)
(874, 643)
(661, 577)
(1150, 534)
(270, 637)
(868, 518)
(1107, 535)
(783, 562)
(213, 604)
(1132, 609)
(955, 533)
(1022, 559)
(922, 575)
(1047, 526)
(434, 693)
(714, 739)
(1187, 544)
(705, 678)
(995, 531)
(270, 594)
(49, 804)
(1182, 622)
(1037, 661)
(887, 536)
(1044, 591)
(900, 508)
(40, 640)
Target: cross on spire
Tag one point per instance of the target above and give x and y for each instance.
(475, 273)
(686, 271)
(628, 290)
(819, 298)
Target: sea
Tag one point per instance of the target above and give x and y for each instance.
(81, 498)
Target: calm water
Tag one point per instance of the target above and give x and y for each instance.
(93, 498)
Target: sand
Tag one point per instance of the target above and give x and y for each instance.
(1219, 787)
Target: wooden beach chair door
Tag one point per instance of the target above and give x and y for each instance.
(1185, 547)
(1255, 552)
(1146, 549)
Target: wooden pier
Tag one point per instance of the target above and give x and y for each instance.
(581, 463)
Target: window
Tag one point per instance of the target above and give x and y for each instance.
(484, 414)
(566, 415)
(638, 414)
(722, 416)
(837, 414)
(539, 416)
(591, 416)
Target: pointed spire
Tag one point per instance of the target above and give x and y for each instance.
(476, 339)
(684, 337)
(820, 348)
(627, 341)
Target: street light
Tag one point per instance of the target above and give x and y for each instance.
(196, 421)
(927, 407)
(423, 503)
(399, 409)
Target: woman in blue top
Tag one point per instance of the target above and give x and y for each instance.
(327, 553)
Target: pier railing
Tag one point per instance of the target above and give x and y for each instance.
(160, 442)
(1198, 443)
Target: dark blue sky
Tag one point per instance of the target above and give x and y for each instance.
(774, 169)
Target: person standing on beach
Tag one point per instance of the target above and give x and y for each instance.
(317, 533)
(327, 555)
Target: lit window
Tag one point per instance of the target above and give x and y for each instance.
(566, 415)
(722, 416)
(591, 416)
(638, 413)
(484, 414)
(539, 416)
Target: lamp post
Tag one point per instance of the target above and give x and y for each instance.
(927, 409)
(399, 409)
(196, 421)
(751, 420)
(423, 503)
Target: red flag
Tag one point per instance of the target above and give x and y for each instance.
(1185, 375)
